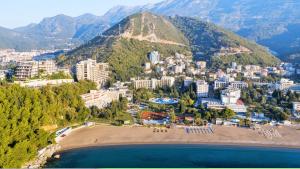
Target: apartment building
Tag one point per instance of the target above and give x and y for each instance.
(100, 98)
(202, 88)
(91, 70)
(230, 96)
(165, 81)
(26, 69)
(47, 66)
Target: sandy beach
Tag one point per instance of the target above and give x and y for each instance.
(102, 135)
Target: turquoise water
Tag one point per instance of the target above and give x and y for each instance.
(164, 101)
(175, 156)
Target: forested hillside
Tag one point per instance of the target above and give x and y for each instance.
(25, 114)
(208, 40)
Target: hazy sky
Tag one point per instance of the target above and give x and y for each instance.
(15, 13)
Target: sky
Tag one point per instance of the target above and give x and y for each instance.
(16, 13)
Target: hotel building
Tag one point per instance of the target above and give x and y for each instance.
(165, 81)
(100, 98)
(26, 69)
(202, 88)
(91, 70)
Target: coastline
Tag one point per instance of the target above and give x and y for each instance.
(254, 145)
(101, 136)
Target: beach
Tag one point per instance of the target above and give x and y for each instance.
(103, 135)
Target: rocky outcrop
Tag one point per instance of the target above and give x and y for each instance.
(42, 156)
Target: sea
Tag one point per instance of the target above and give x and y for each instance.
(177, 156)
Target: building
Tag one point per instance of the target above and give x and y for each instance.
(154, 57)
(202, 88)
(296, 106)
(100, 98)
(91, 70)
(2, 74)
(178, 69)
(123, 90)
(238, 85)
(201, 64)
(219, 84)
(212, 103)
(40, 83)
(153, 118)
(165, 81)
(188, 81)
(230, 96)
(26, 69)
(284, 84)
(47, 67)
(233, 65)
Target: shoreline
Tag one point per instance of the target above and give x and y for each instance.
(105, 136)
(254, 145)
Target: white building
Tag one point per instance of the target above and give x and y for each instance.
(178, 69)
(123, 90)
(284, 84)
(233, 65)
(238, 85)
(165, 81)
(2, 74)
(40, 83)
(201, 64)
(48, 67)
(91, 70)
(230, 96)
(296, 106)
(188, 81)
(154, 57)
(202, 88)
(100, 98)
(26, 69)
(218, 84)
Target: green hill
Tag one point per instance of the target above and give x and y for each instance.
(125, 45)
(208, 40)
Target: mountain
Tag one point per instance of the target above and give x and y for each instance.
(271, 23)
(64, 30)
(13, 39)
(220, 46)
(268, 22)
(126, 44)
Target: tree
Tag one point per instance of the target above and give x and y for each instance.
(172, 116)
(182, 106)
(228, 113)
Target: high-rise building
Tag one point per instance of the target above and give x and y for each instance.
(26, 69)
(91, 70)
(154, 57)
(202, 88)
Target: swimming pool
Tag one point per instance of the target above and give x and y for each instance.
(164, 100)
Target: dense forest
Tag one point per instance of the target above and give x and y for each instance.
(25, 114)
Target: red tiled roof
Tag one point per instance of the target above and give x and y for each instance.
(240, 102)
(153, 115)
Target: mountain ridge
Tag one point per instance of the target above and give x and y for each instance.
(126, 54)
(267, 22)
